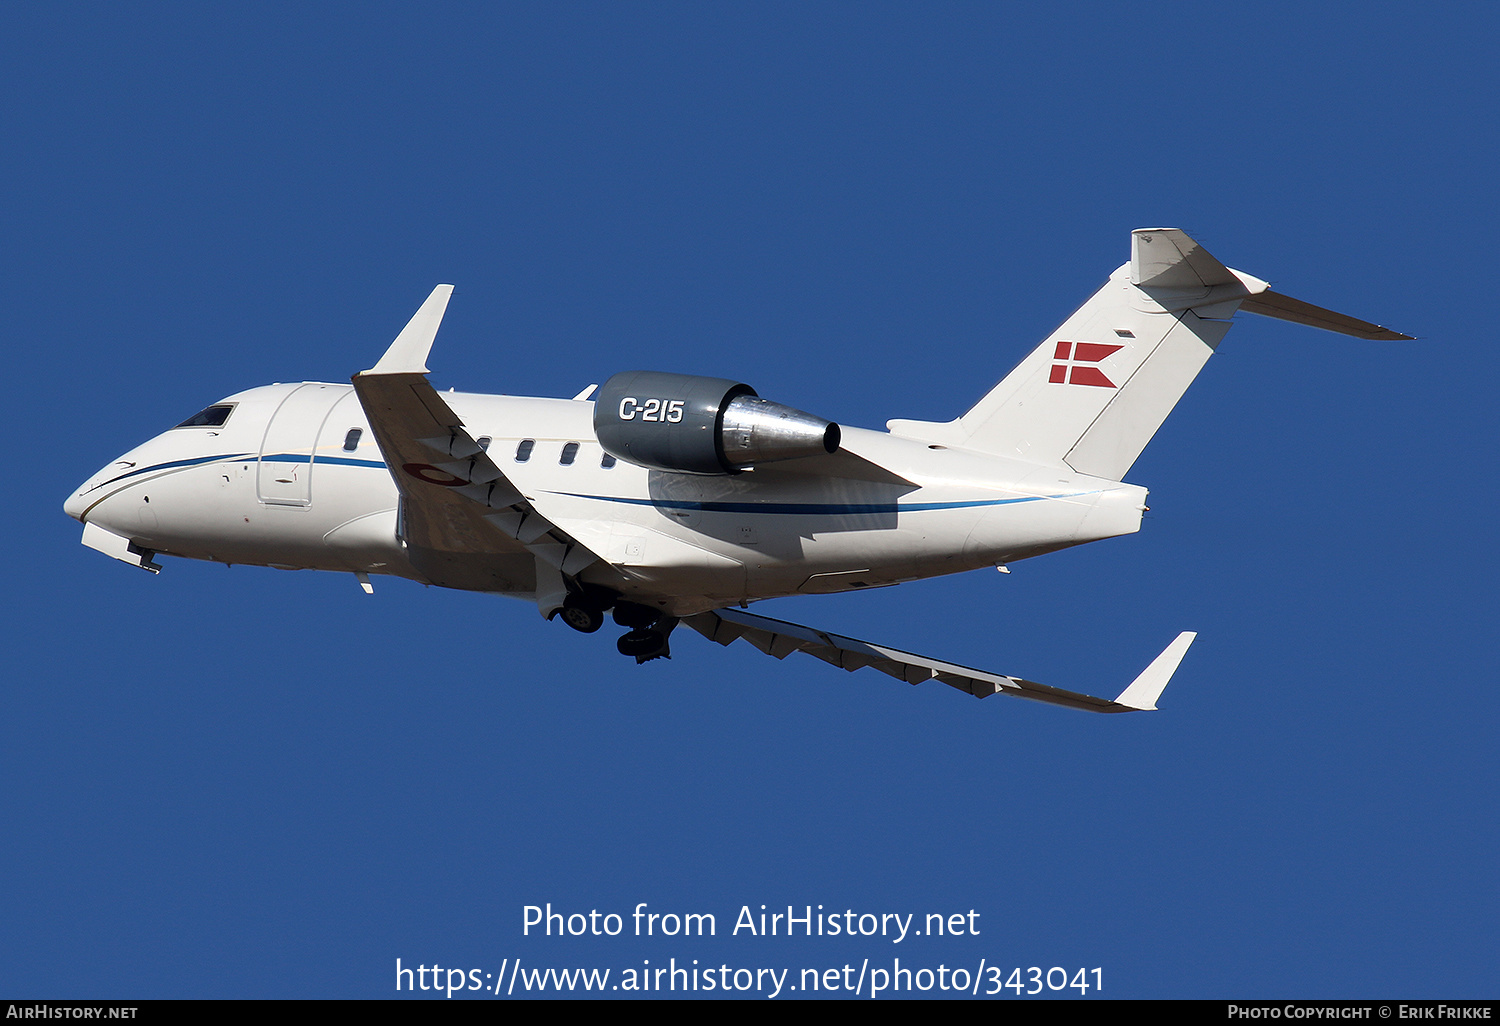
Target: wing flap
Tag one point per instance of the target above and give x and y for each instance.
(780, 639)
(436, 516)
(456, 500)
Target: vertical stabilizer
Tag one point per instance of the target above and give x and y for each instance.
(1096, 390)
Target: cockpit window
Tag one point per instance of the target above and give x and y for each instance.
(214, 416)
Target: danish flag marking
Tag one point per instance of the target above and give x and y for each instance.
(1073, 364)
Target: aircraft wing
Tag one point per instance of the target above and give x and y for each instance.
(455, 499)
(780, 639)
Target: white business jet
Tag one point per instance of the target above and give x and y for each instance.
(672, 499)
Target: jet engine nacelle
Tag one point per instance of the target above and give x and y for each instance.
(694, 425)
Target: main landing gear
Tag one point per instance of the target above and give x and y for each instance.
(647, 639)
(649, 628)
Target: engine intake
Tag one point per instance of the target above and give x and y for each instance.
(695, 425)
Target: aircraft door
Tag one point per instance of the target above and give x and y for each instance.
(284, 476)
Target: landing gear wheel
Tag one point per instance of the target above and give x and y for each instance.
(644, 645)
(582, 617)
(635, 616)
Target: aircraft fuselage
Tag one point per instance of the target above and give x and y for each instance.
(293, 478)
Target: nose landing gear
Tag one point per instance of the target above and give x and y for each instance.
(583, 609)
(581, 615)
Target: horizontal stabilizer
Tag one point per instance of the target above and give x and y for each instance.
(1274, 304)
(780, 639)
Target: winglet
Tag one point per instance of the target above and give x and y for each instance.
(1147, 688)
(408, 354)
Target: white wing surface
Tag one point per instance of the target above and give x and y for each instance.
(780, 639)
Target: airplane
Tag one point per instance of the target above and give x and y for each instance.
(671, 499)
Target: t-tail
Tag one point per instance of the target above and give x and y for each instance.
(1096, 390)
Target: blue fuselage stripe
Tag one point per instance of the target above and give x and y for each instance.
(250, 457)
(196, 461)
(772, 508)
(815, 508)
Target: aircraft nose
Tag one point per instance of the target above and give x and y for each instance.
(77, 502)
(87, 496)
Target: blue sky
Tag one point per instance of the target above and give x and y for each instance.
(252, 783)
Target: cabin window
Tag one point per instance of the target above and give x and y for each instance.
(351, 440)
(483, 441)
(569, 454)
(606, 461)
(523, 451)
(214, 416)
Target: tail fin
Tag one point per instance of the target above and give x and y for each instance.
(1096, 390)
